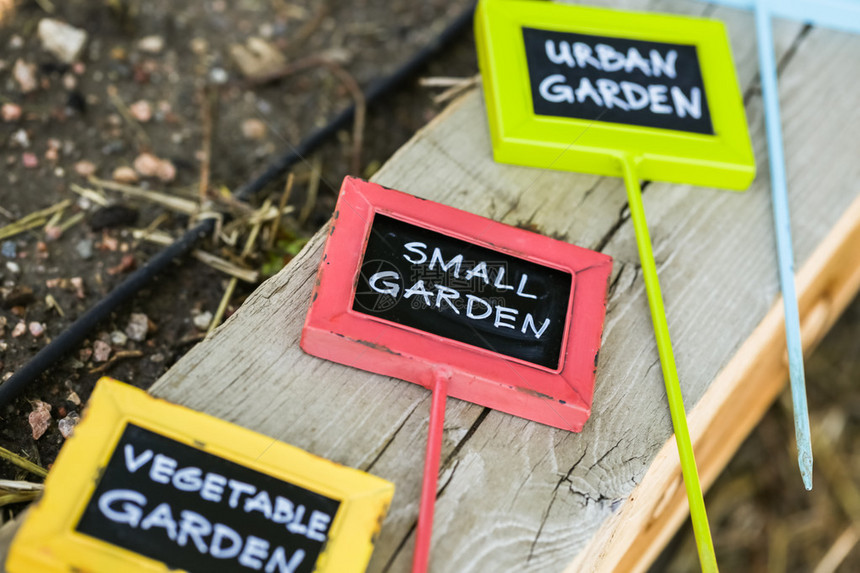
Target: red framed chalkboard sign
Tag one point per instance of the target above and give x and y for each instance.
(410, 288)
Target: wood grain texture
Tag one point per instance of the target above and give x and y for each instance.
(515, 495)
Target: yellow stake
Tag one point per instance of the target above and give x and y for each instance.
(701, 530)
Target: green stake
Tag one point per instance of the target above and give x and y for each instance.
(702, 532)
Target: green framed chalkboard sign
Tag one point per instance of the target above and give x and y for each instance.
(575, 88)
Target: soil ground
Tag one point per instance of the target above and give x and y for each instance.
(761, 517)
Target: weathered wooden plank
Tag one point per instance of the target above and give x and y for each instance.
(515, 494)
(536, 495)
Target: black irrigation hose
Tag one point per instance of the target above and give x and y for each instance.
(75, 334)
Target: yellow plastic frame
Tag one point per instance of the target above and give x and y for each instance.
(724, 159)
(48, 542)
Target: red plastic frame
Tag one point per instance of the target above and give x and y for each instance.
(559, 398)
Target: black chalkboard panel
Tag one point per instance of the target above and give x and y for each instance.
(618, 80)
(446, 286)
(192, 510)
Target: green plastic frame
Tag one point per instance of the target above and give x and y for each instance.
(724, 159)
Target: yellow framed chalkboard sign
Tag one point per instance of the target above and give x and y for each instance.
(146, 486)
(577, 88)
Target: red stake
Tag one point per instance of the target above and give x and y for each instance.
(424, 531)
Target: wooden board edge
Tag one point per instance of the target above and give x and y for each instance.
(7, 534)
(732, 406)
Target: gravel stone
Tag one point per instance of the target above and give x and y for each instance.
(138, 326)
(61, 39)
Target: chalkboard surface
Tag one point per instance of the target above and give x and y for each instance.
(192, 510)
(618, 80)
(446, 286)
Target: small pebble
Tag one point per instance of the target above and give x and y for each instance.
(84, 247)
(85, 168)
(21, 138)
(199, 46)
(108, 243)
(67, 424)
(138, 326)
(101, 351)
(61, 39)
(16, 42)
(39, 418)
(8, 249)
(118, 338)
(70, 82)
(125, 174)
(218, 76)
(118, 53)
(148, 165)
(19, 329)
(151, 44)
(52, 233)
(202, 320)
(74, 398)
(141, 111)
(11, 112)
(78, 284)
(13, 267)
(29, 160)
(37, 329)
(25, 75)
(253, 129)
(157, 357)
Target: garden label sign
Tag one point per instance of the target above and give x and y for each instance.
(642, 96)
(578, 88)
(177, 489)
(460, 304)
(408, 287)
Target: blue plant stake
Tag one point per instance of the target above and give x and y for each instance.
(842, 15)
